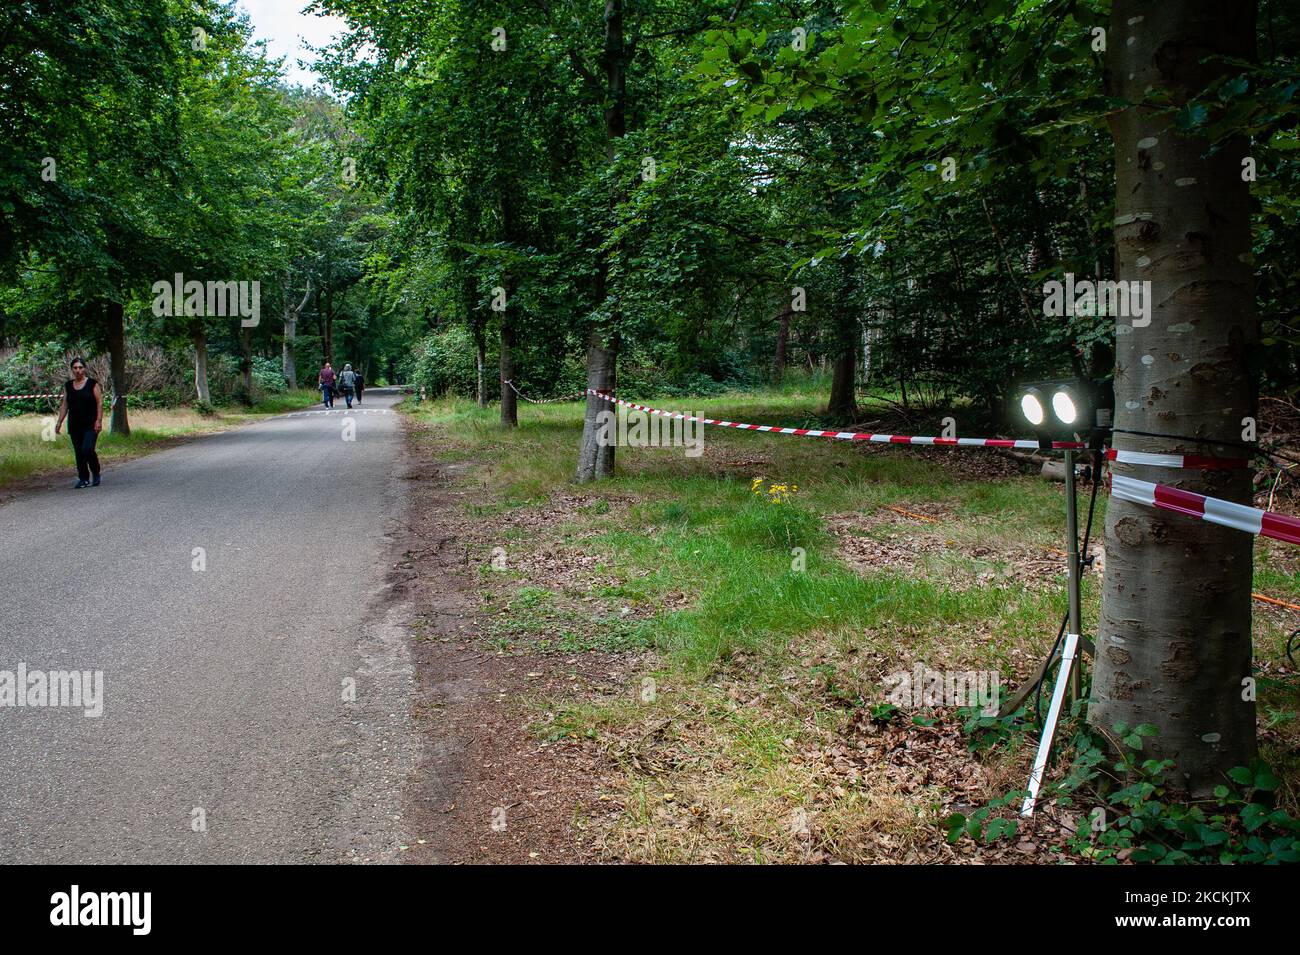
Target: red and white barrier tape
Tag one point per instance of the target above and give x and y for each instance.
(844, 435)
(16, 397)
(543, 401)
(1176, 460)
(1252, 520)
(1215, 510)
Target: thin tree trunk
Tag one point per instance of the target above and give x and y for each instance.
(782, 342)
(291, 314)
(246, 363)
(200, 340)
(866, 356)
(118, 422)
(509, 404)
(1174, 645)
(328, 323)
(480, 368)
(290, 335)
(843, 404)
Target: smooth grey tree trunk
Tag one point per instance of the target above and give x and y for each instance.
(1174, 641)
(290, 366)
(596, 460)
(291, 314)
(200, 341)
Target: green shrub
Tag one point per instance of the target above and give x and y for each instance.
(444, 363)
(1133, 814)
(268, 376)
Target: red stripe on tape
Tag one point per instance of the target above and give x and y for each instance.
(1174, 460)
(1213, 464)
(1280, 527)
(1175, 499)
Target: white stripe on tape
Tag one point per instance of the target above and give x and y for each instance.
(1131, 489)
(1243, 518)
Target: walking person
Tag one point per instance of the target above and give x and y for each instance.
(83, 406)
(348, 383)
(361, 385)
(326, 382)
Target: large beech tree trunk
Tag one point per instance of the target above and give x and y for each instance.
(1174, 642)
(116, 326)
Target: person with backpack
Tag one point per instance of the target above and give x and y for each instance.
(83, 406)
(361, 386)
(348, 383)
(326, 383)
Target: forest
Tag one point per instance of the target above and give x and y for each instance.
(867, 215)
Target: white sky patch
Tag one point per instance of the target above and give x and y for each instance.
(289, 32)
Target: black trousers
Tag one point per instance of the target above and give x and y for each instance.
(83, 445)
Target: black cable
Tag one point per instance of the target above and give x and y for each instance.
(1084, 563)
(1183, 437)
(1038, 687)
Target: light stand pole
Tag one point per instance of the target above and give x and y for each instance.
(1069, 675)
(1075, 625)
(1074, 403)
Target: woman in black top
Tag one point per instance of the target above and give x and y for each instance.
(83, 406)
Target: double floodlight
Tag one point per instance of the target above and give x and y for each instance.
(1062, 408)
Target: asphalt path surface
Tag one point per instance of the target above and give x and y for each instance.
(256, 702)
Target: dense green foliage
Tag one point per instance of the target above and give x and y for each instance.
(150, 138)
(883, 185)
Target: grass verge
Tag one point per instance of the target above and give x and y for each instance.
(757, 729)
(29, 448)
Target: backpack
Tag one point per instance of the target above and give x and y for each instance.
(349, 379)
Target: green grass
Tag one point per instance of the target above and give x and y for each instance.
(705, 568)
(280, 403)
(25, 451)
(698, 523)
(694, 522)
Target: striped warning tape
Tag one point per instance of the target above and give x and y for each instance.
(16, 397)
(542, 401)
(844, 435)
(1252, 520)
(1176, 460)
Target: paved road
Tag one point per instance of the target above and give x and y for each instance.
(223, 688)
